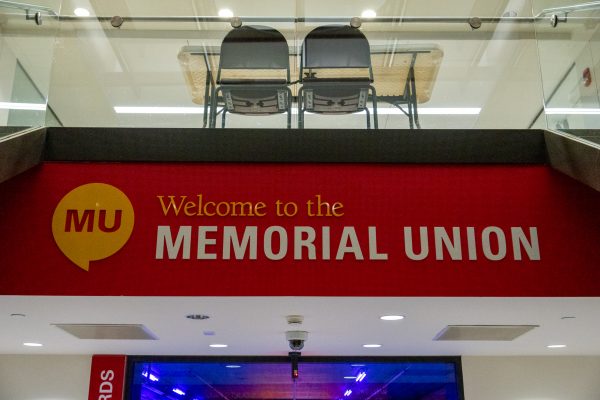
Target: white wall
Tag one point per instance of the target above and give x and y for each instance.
(531, 378)
(24, 377)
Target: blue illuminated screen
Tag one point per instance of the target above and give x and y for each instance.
(272, 380)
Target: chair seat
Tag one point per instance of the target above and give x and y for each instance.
(336, 73)
(253, 77)
(335, 99)
(256, 100)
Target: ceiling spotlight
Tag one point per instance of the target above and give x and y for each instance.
(81, 12)
(217, 345)
(233, 366)
(225, 13)
(368, 14)
(31, 344)
(556, 346)
(371, 346)
(391, 317)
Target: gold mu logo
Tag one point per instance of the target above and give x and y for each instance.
(92, 222)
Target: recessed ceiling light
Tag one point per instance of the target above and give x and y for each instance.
(225, 13)
(357, 365)
(582, 111)
(349, 377)
(391, 317)
(233, 366)
(22, 106)
(371, 345)
(556, 346)
(81, 12)
(217, 345)
(368, 14)
(157, 110)
(31, 344)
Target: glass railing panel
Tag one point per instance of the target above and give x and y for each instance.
(467, 78)
(149, 67)
(145, 68)
(569, 51)
(27, 35)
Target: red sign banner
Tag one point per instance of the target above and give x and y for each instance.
(298, 230)
(107, 377)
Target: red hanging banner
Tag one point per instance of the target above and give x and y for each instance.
(298, 229)
(107, 377)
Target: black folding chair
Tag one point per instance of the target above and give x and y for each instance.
(253, 76)
(336, 73)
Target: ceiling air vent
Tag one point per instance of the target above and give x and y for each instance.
(108, 331)
(483, 332)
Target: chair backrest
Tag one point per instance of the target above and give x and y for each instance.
(336, 46)
(254, 47)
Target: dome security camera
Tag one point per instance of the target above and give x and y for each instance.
(296, 339)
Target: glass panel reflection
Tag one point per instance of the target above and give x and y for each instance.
(27, 35)
(158, 68)
(569, 51)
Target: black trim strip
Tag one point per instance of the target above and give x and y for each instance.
(292, 145)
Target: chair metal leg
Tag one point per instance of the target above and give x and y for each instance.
(368, 118)
(374, 100)
(416, 118)
(414, 99)
(205, 117)
(223, 118)
(300, 109)
(207, 99)
(213, 108)
(289, 108)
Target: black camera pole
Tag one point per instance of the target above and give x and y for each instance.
(294, 357)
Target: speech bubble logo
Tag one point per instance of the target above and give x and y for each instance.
(92, 222)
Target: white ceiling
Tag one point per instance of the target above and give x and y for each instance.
(336, 325)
